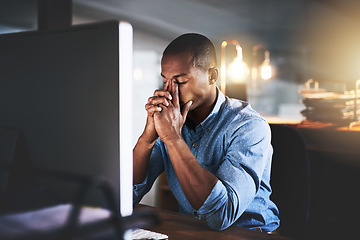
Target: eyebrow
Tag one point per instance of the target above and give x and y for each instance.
(176, 76)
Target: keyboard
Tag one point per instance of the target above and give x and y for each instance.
(143, 234)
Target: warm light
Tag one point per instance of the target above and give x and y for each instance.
(223, 71)
(254, 73)
(265, 70)
(238, 70)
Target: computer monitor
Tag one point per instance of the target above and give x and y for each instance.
(69, 92)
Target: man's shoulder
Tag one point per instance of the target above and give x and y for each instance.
(239, 110)
(238, 115)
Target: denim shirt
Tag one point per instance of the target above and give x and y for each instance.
(233, 143)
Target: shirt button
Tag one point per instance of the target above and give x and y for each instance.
(207, 130)
(194, 144)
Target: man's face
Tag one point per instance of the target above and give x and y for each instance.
(193, 82)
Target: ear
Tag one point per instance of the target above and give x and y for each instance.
(213, 75)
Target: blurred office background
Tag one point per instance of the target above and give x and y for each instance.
(317, 39)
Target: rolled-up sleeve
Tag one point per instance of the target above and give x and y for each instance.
(139, 190)
(248, 150)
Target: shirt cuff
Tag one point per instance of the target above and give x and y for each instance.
(213, 202)
(138, 189)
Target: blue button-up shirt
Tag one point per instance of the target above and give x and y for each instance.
(233, 143)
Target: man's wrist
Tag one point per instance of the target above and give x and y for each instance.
(146, 141)
(173, 141)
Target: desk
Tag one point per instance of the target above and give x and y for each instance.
(334, 153)
(179, 227)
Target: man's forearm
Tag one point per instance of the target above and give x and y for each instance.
(141, 156)
(196, 182)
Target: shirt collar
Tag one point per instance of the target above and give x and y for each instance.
(209, 120)
(219, 101)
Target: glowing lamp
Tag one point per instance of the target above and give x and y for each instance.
(238, 70)
(265, 70)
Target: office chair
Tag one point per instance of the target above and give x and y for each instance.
(290, 181)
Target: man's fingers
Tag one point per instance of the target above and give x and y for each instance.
(162, 93)
(186, 109)
(151, 109)
(166, 86)
(175, 93)
(158, 100)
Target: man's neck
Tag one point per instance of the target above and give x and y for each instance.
(196, 116)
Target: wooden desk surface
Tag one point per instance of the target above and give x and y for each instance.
(179, 227)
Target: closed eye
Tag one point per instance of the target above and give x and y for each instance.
(180, 83)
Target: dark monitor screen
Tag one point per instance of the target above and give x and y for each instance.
(69, 92)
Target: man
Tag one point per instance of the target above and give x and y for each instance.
(215, 151)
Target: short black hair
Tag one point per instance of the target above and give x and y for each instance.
(203, 50)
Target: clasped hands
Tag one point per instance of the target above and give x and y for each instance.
(166, 117)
